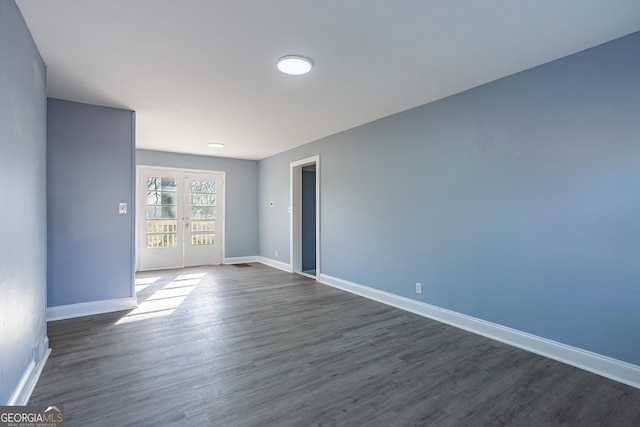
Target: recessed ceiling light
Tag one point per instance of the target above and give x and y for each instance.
(295, 64)
(215, 145)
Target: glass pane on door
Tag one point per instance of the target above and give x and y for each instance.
(162, 212)
(202, 210)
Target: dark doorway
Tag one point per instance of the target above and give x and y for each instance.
(309, 220)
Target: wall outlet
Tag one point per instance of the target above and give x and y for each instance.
(276, 252)
(418, 288)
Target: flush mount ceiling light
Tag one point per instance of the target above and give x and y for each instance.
(295, 64)
(215, 145)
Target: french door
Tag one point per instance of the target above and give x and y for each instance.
(180, 221)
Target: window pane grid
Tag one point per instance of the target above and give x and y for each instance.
(162, 212)
(202, 239)
(203, 226)
(161, 240)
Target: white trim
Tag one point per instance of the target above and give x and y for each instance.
(133, 208)
(136, 227)
(90, 308)
(295, 209)
(275, 264)
(318, 233)
(295, 184)
(241, 260)
(178, 169)
(223, 231)
(608, 367)
(22, 393)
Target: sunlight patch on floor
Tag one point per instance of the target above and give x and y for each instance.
(181, 283)
(142, 283)
(164, 301)
(191, 276)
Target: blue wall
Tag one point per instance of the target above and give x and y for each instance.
(90, 170)
(241, 196)
(23, 221)
(516, 202)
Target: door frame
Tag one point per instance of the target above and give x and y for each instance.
(139, 209)
(295, 230)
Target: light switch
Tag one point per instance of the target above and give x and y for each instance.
(122, 208)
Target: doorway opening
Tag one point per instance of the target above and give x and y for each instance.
(305, 217)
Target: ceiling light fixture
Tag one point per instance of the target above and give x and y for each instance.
(295, 64)
(215, 145)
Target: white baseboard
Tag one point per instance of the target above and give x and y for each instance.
(27, 384)
(90, 308)
(614, 369)
(275, 264)
(241, 260)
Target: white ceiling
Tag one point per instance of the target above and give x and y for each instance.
(198, 71)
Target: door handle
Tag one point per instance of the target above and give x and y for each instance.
(186, 225)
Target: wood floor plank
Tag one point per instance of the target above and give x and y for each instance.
(255, 346)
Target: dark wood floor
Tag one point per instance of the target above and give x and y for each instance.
(254, 346)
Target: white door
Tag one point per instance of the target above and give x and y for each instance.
(180, 218)
(202, 218)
